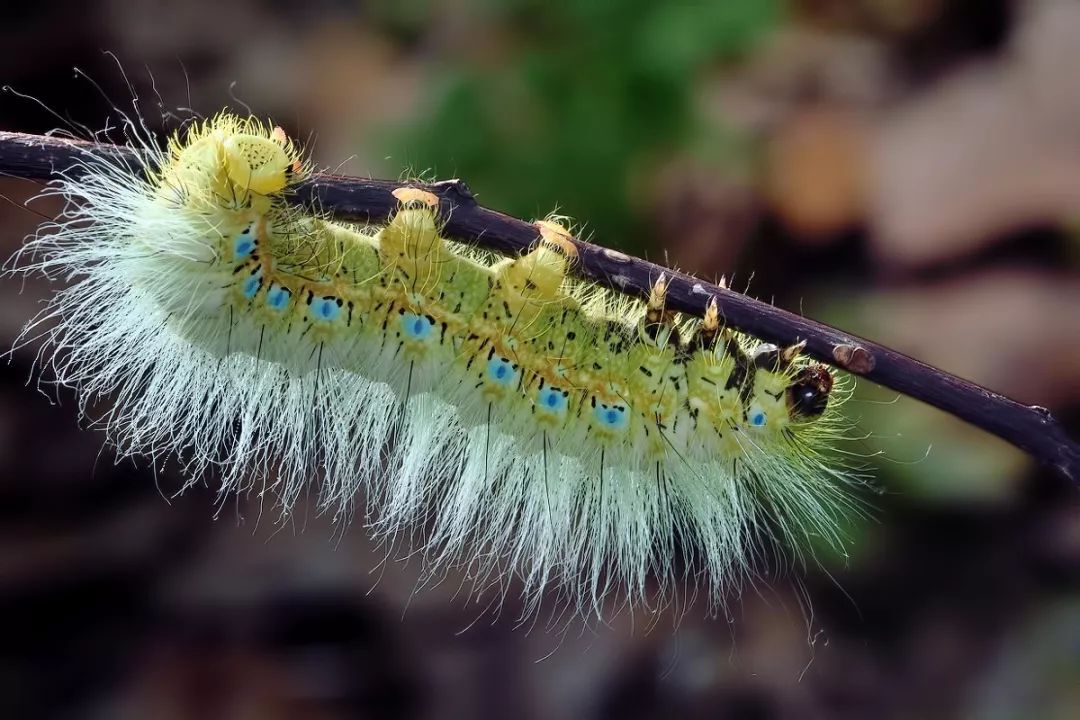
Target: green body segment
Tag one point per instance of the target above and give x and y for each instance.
(547, 362)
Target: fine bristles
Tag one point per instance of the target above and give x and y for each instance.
(487, 415)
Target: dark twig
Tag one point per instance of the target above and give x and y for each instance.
(1030, 428)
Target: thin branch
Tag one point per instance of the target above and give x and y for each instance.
(1030, 428)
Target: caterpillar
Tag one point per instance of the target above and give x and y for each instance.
(489, 414)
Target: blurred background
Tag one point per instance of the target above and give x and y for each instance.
(908, 170)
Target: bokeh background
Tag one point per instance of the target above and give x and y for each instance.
(905, 169)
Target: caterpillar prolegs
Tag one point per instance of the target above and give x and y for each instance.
(493, 414)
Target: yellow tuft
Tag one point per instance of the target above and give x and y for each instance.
(239, 159)
(555, 234)
(406, 195)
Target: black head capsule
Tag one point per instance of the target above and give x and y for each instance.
(808, 393)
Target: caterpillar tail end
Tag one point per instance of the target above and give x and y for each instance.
(248, 162)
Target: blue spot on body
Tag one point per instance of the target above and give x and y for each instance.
(757, 418)
(551, 399)
(243, 246)
(416, 327)
(325, 309)
(612, 417)
(277, 297)
(251, 286)
(501, 371)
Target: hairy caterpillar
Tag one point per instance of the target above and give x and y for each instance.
(492, 413)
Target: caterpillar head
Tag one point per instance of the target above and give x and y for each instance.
(805, 390)
(808, 393)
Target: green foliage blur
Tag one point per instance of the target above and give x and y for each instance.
(587, 94)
